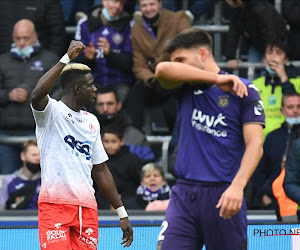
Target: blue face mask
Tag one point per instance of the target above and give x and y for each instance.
(107, 16)
(26, 52)
(271, 71)
(293, 120)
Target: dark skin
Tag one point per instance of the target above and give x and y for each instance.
(78, 96)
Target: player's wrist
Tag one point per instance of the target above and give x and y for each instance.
(65, 59)
(121, 211)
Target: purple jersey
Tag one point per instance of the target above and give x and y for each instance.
(120, 42)
(211, 143)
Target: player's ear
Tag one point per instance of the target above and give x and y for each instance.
(203, 52)
(76, 88)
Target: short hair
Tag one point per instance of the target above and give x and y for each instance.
(279, 44)
(73, 73)
(27, 144)
(108, 89)
(115, 128)
(291, 93)
(188, 39)
(149, 167)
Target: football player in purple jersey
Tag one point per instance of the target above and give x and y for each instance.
(221, 121)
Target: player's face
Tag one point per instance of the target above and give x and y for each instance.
(24, 36)
(112, 143)
(150, 8)
(234, 4)
(153, 180)
(291, 106)
(106, 104)
(275, 54)
(88, 92)
(113, 7)
(188, 56)
(31, 155)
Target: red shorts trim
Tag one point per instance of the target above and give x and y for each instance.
(67, 227)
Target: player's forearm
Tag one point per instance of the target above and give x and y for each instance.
(250, 160)
(172, 74)
(107, 185)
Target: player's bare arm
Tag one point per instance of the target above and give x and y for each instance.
(230, 202)
(173, 74)
(46, 83)
(105, 182)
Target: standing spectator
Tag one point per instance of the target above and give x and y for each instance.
(45, 14)
(291, 12)
(106, 33)
(154, 192)
(124, 166)
(276, 148)
(20, 69)
(108, 110)
(259, 22)
(71, 150)
(148, 39)
(20, 190)
(220, 145)
(279, 79)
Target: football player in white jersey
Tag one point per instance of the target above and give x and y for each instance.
(71, 149)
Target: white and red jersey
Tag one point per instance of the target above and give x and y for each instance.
(70, 144)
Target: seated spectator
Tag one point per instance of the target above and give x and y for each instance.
(123, 165)
(108, 110)
(106, 33)
(20, 70)
(279, 79)
(20, 190)
(259, 22)
(45, 14)
(154, 192)
(276, 148)
(149, 36)
(291, 12)
(288, 209)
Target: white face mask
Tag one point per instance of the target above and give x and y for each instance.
(26, 52)
(291, 120)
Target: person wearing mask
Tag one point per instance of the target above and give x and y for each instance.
(108, 110)
(20, 190)
(280, 78)
(276, 148)
(149, 36)
(20, 69)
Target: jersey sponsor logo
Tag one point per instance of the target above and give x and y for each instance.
(89, 240)
(208, 123)
(81, 149)
(56, 236)
(223, 101)
(259, 107)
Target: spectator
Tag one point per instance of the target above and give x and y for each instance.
(260, 23)
(108, 110)
(106, 33)
(276, 148)
(154, 192)
(148, 39)
(279, 79)
(123, 165)
(291, 13)
(291, 183)
(129, 5)
(287, 208)
(20, 69)
(20, 190)
(45, 14)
